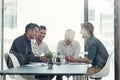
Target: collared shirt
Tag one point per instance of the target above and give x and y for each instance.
(96, 52)
(73, 49)
(39, 49)
(21, 47)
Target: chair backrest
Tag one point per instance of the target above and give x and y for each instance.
(11, 58)
(7, 63)
(4, 64)
(106, 69)
(14, 60)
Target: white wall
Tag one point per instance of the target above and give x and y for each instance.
(56, 15)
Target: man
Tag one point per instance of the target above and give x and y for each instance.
(68, 47)
(38, 46)
(21, 46)
(97, 53)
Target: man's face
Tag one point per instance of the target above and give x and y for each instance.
(34, 32)
(68, 41)
(83, 32)
(42, 34)
(69, 37)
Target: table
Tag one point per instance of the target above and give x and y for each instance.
(42, 69)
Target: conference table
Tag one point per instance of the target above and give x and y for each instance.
(42, 69)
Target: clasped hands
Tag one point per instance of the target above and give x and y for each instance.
(69, 58)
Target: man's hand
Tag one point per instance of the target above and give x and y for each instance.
(43, 59)
(70, 58)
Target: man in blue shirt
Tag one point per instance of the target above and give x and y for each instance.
(97, 53)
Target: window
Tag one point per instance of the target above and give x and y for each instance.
(101, 14)
(57, 16)
(10, 13)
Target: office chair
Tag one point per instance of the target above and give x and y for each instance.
(103, 72)
(7, 64)
(16, 64)
(10, 62)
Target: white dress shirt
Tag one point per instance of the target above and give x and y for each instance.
(73, 49)
(39, 49)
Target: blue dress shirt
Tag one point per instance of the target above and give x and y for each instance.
(96, 52)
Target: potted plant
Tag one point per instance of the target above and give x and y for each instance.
(50, 62)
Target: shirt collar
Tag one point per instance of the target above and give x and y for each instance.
(90, 37)
(35, 42)
(26, 38)
(69, 44)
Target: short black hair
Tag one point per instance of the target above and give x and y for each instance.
(30, 26)
(88, 26)
(42, 27)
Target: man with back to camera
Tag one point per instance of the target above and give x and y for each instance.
(68, 47)
(97, 53)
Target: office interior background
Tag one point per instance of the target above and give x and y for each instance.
(57, 16)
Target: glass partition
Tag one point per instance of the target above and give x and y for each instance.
(10, 22)
(1, 34)
(57, 16)
(10, 13)
(101, 14)
(9, 25)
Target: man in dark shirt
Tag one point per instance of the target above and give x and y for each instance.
(21, 46)
(97, 53)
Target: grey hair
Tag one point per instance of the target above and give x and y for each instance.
(70, 35)
(88, 26)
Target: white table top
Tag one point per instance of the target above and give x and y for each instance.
(40, 68)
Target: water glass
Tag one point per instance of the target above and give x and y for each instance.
(86, 54)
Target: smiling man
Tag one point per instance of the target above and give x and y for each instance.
(97, 53)
(21, 46)
(38, 46)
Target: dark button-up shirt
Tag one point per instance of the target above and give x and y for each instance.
(96, 52)
(21, 48)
